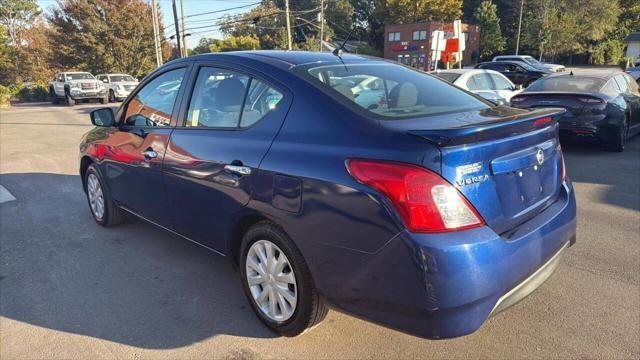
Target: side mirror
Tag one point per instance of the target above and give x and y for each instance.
(103, 117)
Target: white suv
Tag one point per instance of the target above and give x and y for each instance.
(531, 61)
(120, 85)
(72, 87)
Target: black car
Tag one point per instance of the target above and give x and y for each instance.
(519, 73)
(603, 107)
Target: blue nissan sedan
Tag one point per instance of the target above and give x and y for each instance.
(352, 183)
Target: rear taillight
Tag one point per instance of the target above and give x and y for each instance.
(425, 201)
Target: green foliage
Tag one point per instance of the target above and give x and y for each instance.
(33, 93)
(491, 40)
(234, 43)
(5, 95)
(15, 14)
(411, 11)
(610, 52)
(368, 50)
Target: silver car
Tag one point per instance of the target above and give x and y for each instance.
(489, 84)
(120, 85)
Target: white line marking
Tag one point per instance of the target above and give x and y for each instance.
(5, 195)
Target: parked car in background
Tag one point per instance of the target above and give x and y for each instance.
(72, 87)
(120, 85)
(635, 73)
(427, 213)
(519, 73)
(531, 61)
(602, 107)
(489, 84)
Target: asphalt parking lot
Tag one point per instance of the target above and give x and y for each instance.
(70, 289)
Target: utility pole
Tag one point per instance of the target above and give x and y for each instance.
(286, 4)
(156, 32)
(184, 42)
(321, 23)
(519, 27)
(175, 20)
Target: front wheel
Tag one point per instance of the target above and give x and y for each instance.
(277, 281)
(70, 101)
(104, 211)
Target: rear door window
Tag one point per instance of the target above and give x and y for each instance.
(224, 99)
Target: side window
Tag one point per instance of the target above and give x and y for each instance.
(219, 96)
(261, 100)
(217, 99)
(500, 82)
(622, 83)
(153, 104)
(633, 85)
(61, 77)
(479, 82)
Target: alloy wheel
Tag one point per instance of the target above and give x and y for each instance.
(96, 197)
(271, 281)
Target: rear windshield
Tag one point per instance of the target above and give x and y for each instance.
(79, 76)
(450, 77)
(389, 91)
(567, 83)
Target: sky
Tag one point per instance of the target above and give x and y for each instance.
(191, 7)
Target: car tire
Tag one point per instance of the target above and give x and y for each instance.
(112, 96)
(110, 214)
(309, 309)
(620, 141)
(70, 101)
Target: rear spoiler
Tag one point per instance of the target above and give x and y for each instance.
(488, 130)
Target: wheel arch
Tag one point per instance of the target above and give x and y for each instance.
(84, 165)
(241, 226)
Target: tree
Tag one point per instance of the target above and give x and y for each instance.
(15, 15)
(411, 11)
(103, 36)
(234, 43)
(491, 40)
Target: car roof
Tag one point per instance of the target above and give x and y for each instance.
(284, 57)
(466, 71)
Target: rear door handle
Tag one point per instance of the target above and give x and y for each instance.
(237, 169)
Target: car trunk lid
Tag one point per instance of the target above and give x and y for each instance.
(505, 161)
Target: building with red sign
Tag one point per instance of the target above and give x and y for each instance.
(410, 44)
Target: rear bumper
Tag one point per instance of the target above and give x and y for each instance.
(447, 285)
(596, 127)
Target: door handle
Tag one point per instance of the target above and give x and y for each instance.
(150, 154)
(237, 169)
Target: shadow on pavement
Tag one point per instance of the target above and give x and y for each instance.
(134, 284)
(591, 162)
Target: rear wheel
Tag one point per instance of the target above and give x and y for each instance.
(104, 211)
(620, 140)
(277, 281)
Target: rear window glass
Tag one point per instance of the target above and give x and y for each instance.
(389, 91)
(450, 77)
(567, 83)
(121, 78)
